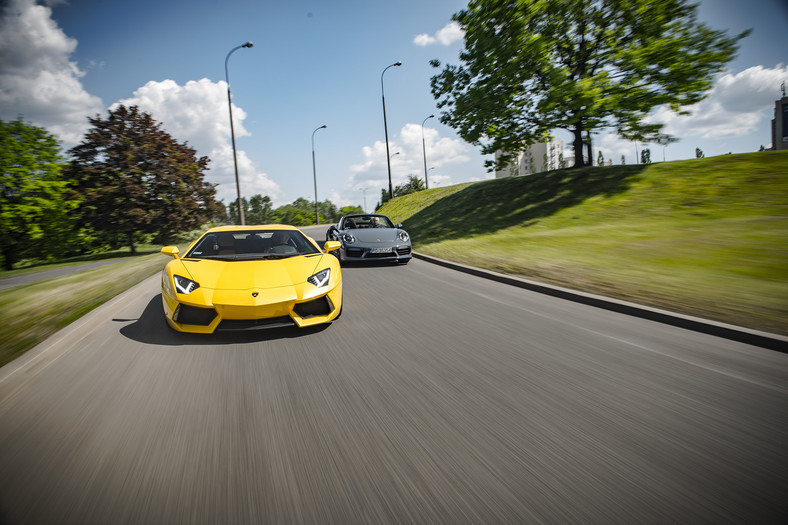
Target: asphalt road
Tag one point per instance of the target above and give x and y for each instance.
(437, 397)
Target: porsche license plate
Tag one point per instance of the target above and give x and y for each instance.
(380, 250)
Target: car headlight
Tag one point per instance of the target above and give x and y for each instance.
(184, 285)
(403, 236)
(348, 238)
(320, 279)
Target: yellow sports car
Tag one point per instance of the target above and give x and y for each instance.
(248, 277)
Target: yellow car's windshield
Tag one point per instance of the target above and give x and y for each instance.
(251, 244)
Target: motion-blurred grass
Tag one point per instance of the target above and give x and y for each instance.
(705, 237)
(33, 312)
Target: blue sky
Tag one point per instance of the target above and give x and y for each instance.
(315, 63)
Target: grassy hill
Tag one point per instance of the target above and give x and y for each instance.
(706, 237)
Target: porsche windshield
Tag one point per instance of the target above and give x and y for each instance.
(353, 222)
(244, 245)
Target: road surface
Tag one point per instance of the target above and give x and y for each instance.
(437, 397)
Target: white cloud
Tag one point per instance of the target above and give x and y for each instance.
(38, 81)
(197, 113)
(407, 158)
(734, 107)
(447, 35)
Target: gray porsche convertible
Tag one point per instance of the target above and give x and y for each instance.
(370, 237)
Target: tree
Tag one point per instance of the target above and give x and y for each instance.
(699, 153)
(623, 160)
(412, 185)
(33, 209)
(349, 210)
(645, 156)
(232, 211)
(600, 159)
(260, 210)
(137, 179)
(532, 66)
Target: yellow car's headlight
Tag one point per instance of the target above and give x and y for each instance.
(184, 285)
(320, 279)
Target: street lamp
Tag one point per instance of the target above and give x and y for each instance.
(232, 131)
(424, 150)
(314, 172)
(364, 192)
(385, 127)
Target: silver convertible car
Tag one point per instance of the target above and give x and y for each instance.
(370, 237)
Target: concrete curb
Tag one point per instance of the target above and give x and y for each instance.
(735, 333)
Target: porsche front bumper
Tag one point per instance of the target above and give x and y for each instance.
(368, 253)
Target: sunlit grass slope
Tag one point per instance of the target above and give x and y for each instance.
(706, 237)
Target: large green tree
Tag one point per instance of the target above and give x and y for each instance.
(34, 220)
(530, 67)
(136, 179)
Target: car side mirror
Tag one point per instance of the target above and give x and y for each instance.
(171, 250)
(331, 246)
(399, 225)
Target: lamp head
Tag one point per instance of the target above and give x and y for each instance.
(248, 44)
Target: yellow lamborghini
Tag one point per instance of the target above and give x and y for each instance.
(248, 277)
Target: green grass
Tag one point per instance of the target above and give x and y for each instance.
(33, 312)
(706, 237)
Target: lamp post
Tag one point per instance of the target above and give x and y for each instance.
(314, 173)
(364, 192)
(424, 150)
(385, 127)
(232, 131)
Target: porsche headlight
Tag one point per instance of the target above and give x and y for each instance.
(403, 236)
(184, 285)
(348, 238)
(320, 279)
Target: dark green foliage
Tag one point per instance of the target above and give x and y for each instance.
(532, 66)
(349, 210)
(34, 220)
(258, 210)
(412, 185)
(136, 179)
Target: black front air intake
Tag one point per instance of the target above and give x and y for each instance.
(319, 306)
(186, 314)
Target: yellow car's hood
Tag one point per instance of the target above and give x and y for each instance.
(245, 275)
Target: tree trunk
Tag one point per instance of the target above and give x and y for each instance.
(8, 258)
(131, 244)
(588, 148)
(577, 145)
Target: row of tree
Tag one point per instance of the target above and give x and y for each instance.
(528, 67)
(127, 182)
(258, 210)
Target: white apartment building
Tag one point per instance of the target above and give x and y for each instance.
(535, 158)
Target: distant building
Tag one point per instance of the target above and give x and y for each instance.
(535, 158)
(780, 124)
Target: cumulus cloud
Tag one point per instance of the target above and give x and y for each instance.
(197, 113)
(408, 158)
(734, 107)
(447, 35)
(38, 81)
